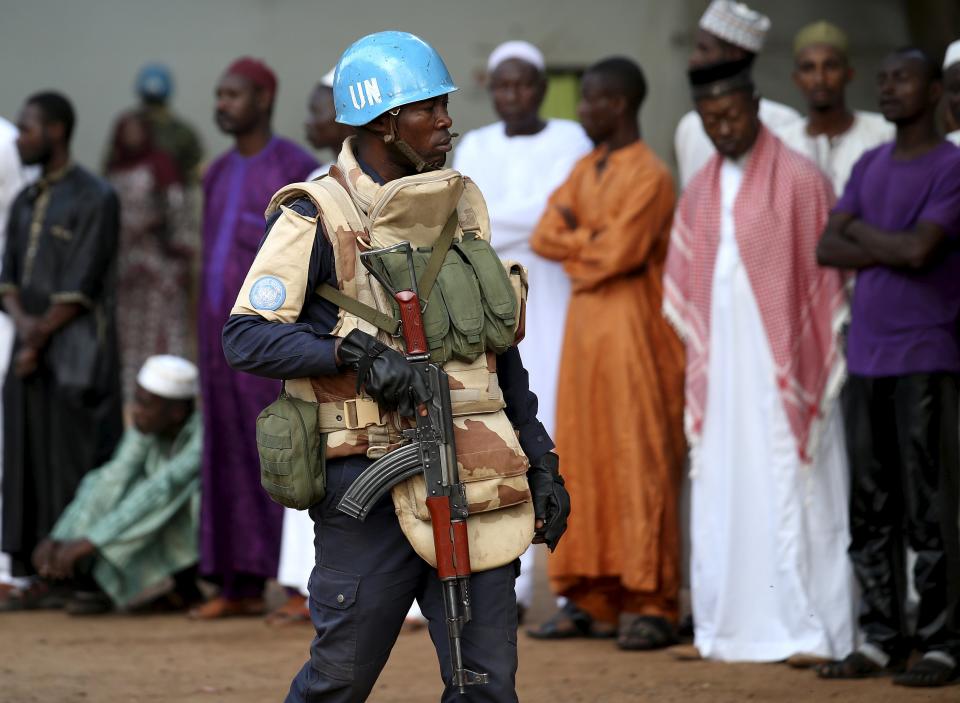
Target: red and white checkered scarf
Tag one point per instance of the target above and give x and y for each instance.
(778, 215)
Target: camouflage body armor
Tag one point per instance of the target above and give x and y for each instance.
(359, 215)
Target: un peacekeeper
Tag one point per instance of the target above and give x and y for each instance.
(389, 185)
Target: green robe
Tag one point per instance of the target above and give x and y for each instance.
(140, 510)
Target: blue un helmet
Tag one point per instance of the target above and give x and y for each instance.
(154, 82)
(383, 71)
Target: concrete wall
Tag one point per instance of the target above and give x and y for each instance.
(91, 49)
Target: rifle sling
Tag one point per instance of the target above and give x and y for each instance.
(437, 256)
(425, 284)
(355, 307)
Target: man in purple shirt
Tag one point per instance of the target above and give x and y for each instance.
(239, 525)
(898, 226)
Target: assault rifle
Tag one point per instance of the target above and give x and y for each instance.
(432, 451)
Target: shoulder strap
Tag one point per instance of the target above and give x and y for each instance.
(355, 307)
(437, 256)
(331, 199)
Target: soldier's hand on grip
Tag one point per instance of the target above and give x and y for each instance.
(384, 373)
(551, 502)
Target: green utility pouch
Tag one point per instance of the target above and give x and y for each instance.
(292, 452)
(453, 315)
(497, 294)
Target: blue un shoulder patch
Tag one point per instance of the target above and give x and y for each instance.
(267, 293)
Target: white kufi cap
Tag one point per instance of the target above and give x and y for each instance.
(952, 56)
(169, 376)
(515, 49)
(736, 23)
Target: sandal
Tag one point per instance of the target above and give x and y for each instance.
(646, 632)
(39, 595)
(295, 610)
(927, 673)
(227, 608)
(855, 665)
(570, 622)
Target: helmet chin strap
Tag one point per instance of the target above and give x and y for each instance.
(393, 137)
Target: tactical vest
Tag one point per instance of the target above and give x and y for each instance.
(359, 215)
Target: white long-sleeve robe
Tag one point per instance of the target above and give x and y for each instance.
(769, 571)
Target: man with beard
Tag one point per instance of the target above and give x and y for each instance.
(898, 225)
(518, 162)
(61, 394)
(609, 225)
(728, 31)
(239, 525)
(769, 577)
(833, 136)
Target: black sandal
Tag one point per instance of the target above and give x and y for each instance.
(646, 632)
(567, 623)
(927, 673)
(855, 665)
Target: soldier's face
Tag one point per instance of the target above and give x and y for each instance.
(240, 104)
(821, 72)
(517, 89)
(425, 127)
(33, 142)
(731, 122)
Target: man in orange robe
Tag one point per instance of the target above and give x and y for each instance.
(620, 399)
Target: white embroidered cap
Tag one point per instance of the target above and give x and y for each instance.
(515, 49)
(736, 23)
(169, 376)
(327, 79)
(952, 56)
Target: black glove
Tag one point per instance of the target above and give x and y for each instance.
(384, 373)
(551, 502)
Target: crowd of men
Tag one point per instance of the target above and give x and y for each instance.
(784, 323)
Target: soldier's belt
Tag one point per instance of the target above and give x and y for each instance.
(351, 414)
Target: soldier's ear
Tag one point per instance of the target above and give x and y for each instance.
(379, 125)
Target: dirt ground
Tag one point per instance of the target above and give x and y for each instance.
(50, 656)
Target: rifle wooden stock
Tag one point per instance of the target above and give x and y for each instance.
(413, 332)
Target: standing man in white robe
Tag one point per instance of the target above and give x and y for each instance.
(832, 136)
(13, 178)
(728, 31)
(517, 163)
(951, 90)
(769, 574)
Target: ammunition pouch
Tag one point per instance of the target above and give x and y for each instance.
(472, 308)
(292, 452)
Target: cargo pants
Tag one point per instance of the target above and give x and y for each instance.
(365, 578)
